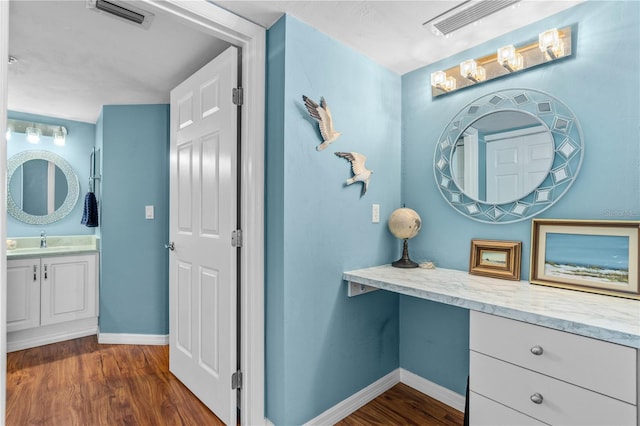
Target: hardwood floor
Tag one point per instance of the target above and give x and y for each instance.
(80, 382)
(403, 405)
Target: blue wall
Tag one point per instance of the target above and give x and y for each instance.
(134, 263)
(322, 347)
(79, 142)
(600, 84)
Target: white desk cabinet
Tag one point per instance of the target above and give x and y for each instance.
(539, 355)
(51, 298)
(536, 374)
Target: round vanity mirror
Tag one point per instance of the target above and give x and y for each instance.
(508, 156)
(42, 187)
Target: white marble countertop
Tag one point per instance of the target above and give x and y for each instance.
(29, 247)
(607, 318)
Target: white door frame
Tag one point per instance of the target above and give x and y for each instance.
(4, 83)
(251, 39)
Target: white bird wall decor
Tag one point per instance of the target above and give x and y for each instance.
(360, 172)
(322, 115)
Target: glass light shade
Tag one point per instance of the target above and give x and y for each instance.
(471, 70)
(59, 137)
(548, 39)
(506, 54)
(440, 80)
(450, 84)
(33, 135)
(550, 43)
(509, 58)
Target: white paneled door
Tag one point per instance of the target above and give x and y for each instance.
(203, 216)
(517, 165)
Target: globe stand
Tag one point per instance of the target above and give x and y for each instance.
(404, 261)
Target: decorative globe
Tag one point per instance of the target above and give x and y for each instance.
(404, 223)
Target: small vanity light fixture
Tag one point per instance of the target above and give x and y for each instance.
(35, 131)
(470, 70)
(439, 80)
(33, 135)
(509, 58)
(550, 43)
(59, 136)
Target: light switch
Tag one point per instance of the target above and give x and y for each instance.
(375, 213)
(148, 212)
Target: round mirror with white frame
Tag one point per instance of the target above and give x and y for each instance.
(508, 156)
(42, 187)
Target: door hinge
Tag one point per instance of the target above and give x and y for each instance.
(236, 238)
(238, 96)
(236, 380)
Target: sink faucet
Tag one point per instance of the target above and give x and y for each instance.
(43, 239)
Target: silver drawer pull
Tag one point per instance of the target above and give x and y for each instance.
(537, 398)
(537, 350)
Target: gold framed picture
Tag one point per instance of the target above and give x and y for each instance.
(597, 256)
(495, 258)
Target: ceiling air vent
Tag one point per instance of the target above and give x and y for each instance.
(464, 14)
(122, 11)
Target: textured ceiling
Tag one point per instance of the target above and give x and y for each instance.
(72, 60)
(391, 32)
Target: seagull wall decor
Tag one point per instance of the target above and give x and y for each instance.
(322, 115)
(360, 172)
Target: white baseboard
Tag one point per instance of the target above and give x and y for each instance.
(435, 391)
(357, 400)
(133, 339)
(380, 386)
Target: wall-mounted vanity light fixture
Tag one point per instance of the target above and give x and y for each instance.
(550, 45)
(35, 131)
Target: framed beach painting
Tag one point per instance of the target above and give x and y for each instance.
(496, 258)
(593, 256)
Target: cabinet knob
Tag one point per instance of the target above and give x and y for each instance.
(536, 398)
(171, 246)
(537, 350)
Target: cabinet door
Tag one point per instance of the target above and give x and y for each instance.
(23, 294)
(68, 288)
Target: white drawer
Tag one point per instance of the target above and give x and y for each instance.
(562, 403)
(485, 412)
(601, 366)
